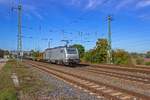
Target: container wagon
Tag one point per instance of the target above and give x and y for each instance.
(62, 55)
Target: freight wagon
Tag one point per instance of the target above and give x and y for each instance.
(62, 55)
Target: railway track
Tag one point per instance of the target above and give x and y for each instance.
(105, 71)
(140, 79)
(144, 70)
(94, 87)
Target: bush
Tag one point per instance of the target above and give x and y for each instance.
(139, 61)
(147, 63)
(121, 57)
(8, 94)
(88, 56)
(1, 53)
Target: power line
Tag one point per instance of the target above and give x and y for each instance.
(66, 41)
(49, 41)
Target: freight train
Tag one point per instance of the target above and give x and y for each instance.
(59, 55)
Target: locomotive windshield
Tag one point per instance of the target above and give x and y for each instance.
(71, 51)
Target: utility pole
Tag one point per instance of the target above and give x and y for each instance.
(81, 35)
(63, 34)
(19, 46)
(49, 43)
(109, 59)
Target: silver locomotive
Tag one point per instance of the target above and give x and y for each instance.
(62, 55)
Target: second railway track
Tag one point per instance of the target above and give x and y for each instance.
(145, 70)
(98, 88)
(140, 79)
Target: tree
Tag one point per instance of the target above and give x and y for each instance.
(6, 52)
(148, 54)
(121, 57)
(34, 54)
(101, 51)
(1, 53)
(87, 56)
(80, 48)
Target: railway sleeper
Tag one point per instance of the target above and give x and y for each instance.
(60, 74)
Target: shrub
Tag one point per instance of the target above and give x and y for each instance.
(139, 61)
(147, 63)
(121, 57)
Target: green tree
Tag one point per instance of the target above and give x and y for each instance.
(148, 54)
(80, 48)
(1, 53)
(34, 54)
(101, 51)
(88, 56)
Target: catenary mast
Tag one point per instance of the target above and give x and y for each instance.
(19, 44)
(109, 60)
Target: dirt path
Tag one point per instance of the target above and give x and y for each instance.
(1, 64)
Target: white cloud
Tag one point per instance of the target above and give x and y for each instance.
(31, 11)
(91, 4)
(75, 2)
(126, 4)
(94, 3)
(143, 3)
(5, 2)
(123, 4)
(144, 17)
(28, 9)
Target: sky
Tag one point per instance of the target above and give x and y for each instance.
(79, 21)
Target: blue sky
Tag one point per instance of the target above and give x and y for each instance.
(49, 19)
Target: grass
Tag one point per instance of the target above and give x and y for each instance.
(7, 90)
(147, 63)
(30, 83)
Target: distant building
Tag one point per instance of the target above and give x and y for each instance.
(28, 53)
(6, 56)
(13, 54)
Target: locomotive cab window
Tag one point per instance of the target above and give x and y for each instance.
(71, 51)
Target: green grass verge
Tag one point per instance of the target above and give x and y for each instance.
(7, 90)
(147, 63)
(30, 82)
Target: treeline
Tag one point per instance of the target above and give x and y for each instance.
(99, 54)
(3, 52)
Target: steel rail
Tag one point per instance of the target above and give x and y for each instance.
(110, 89)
